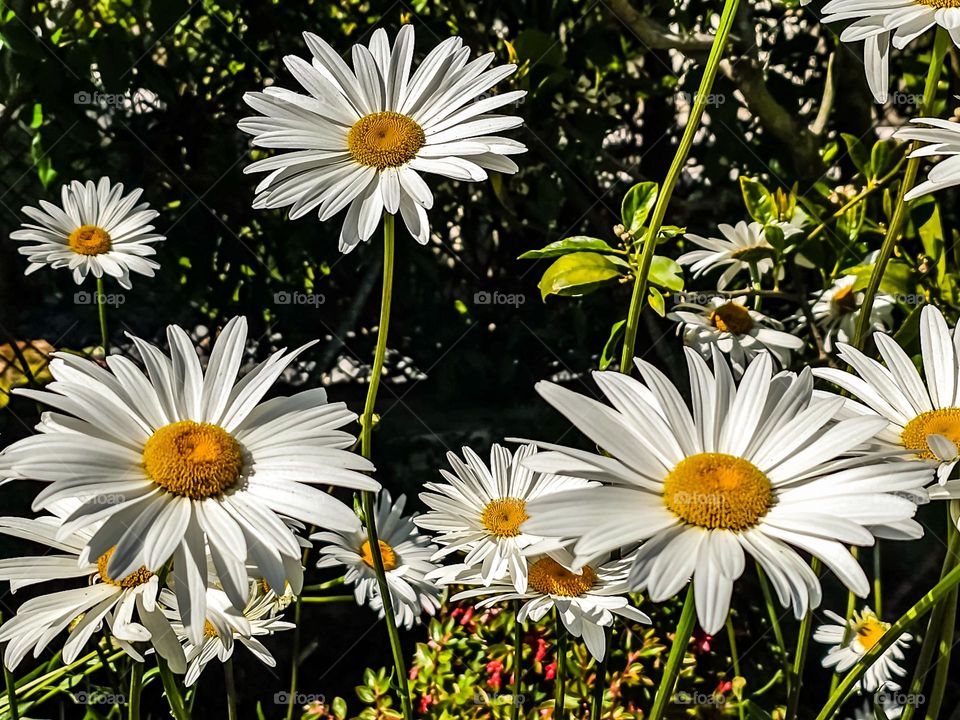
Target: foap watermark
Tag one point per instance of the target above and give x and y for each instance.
(285, 297)
(101, 99)
(99, 697)
(483, 297)
(489, 699)
(910, 298)
(84, 297)
(902, 98)
(712, 99)
(685, 697)
(695, 298)
(896, 698)
(285, 697)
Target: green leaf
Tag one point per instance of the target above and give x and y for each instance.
(883, 158)
(578, 273)
(858, 153)
(758, 200)
(666, 273)
(898, 278)
(613, 342)
(656, 301)
(908, 334)
(339, 708)
(774, 235)
(637, 204)
(578, 243)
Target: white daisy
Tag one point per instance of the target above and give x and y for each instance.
(836, 309)
(224, 624)
(82, 610)
(181, 460)
(406, 559)
(753, 469)
(586, 597)
(740, 246)
(942, 138)
(479, 510)
(362, 137)
(735, 329)
(865, 630)
(922, 418)
(880, 22)
(97, 231)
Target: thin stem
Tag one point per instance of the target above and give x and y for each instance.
(755, 281)
(136, 683)
(877, 582)
(899, 211)
(678, 651)
(366, 437)
(943, 661)
(517, 659)
(848, 615)
(774, 623)
(673, 174)
(800, 656)
(902, 625)
(317, 599)
(172, 691)
(560, 678)
(231, 686)
(735, 657)
(294, 659)
(102, 313)
(14, 705)
(324, 586)
(600, 681)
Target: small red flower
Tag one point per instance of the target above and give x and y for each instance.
(541, 650)
(701, 641)
(725, 686)
(551, 671)
(425, 702)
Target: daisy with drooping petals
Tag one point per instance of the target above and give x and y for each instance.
(865, 630)
(740, 247)
(116, 600)
(97, 231)
(586, 598)
(361, 138)
(180, 461)
(942, 138)
(880, 23)
(406, 559)
(922, 418)
(224, 625)
(755, 469)
(836, 309)
(480, 509)
(736, 330)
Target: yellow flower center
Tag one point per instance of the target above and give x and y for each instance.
(194, 460)
(89, 240)
(714, 490)
(504, 516)
(733, 318)
(944, 422)
(384, 140)
(549, 577)
(137, 577)
(209, 630)
(387, 554)
(940, 3)
(868, 629)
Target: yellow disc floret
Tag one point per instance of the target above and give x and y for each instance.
(385, 140)
(733, 318)
(549, 577)
(868, 628)
(504, 516)
(943, 4)
(89, 240)
(945, 421)
(137, 577)
(387, 554)
(191, 459)
(718, 491)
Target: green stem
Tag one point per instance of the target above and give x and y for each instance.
(755, 281)
(231, 686)
(600, 681)
(366, 437)
(136, 683)
(517, 659)
(295, 659)
(336, 582)
(735, 657)
(102, 313)
(775, 624)
(678, 651)
(172, 691)
(877, 583)
(560, 678)
(800, 656)
(941, 677)
(317, 599)
(673, 174)
(848, 615)
(906, 621)
(11, 694)
(909, 177)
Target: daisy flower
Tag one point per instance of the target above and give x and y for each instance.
(882, 22)
(756, 469)
(942, 138)
(406, 559)
(115, 600)
(480, 509)
(735, 330)
(923, 418)
(97, 231)
(224, 625)
(739, 248)
(864, 631)
(836, 309)
(180, 461)
(361, 138)
(586, 597)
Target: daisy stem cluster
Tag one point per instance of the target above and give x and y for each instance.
(136, 684)
(102, 315)
(678, 651)
(937, 57)
(795, 677)
(673, 175)
(11, 694)
(366, 449)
